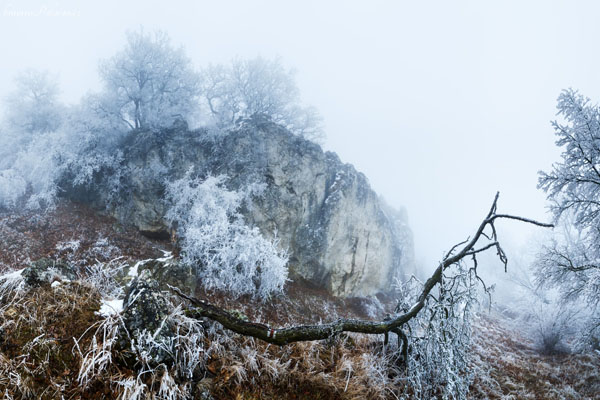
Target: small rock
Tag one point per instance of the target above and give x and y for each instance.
(145, 311)
(170, 272)
(46, 271)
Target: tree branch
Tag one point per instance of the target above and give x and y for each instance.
(283, 336)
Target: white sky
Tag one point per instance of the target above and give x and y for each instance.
(439, 103)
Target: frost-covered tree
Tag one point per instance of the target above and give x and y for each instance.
(258, 86)
(28, 140)
(35, 165)
(572, 263)
(440, 336)
(228, 254)
(33, 106)
(149, 84)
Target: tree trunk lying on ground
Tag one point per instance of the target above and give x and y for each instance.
(283, 336)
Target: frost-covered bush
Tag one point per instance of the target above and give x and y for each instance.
(439, 337)
(43, 143)
(229, 255)
(548, 322)
(103, 277)
(33, 173)
(29, 141)
(543, 318)
(12, 187)
(91, 151)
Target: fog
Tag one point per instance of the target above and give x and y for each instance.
(440, 104)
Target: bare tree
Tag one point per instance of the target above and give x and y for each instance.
(149, 84)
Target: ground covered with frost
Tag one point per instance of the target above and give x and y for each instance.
(59, 339)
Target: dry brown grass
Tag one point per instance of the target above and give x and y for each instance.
(349, 367)
(38, 327)
(38, 359)
(352, 367)
(510, 366)
(32, 235)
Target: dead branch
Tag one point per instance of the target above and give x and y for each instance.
(283, 336)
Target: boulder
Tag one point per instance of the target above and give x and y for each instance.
(145, 312)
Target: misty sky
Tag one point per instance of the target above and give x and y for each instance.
(440, 103)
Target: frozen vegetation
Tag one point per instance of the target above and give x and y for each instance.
(91, 308)
(231, 256)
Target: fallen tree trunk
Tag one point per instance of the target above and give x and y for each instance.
(283, 336)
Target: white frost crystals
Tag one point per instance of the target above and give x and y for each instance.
(229, 255)
(11, 282)
(110, 307)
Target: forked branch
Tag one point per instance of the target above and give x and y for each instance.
(283, 336)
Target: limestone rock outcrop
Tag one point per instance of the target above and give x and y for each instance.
(323, 211)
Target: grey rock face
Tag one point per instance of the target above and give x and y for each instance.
(323, 211)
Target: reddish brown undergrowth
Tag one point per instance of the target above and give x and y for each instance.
(31, 235)
(38, 358)
(510, 366)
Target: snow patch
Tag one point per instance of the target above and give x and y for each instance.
(167, 255)
(133, 272)
(110, 307)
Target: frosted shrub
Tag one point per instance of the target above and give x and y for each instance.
(91, 152)
(547, 321)
(440, 337)
(103, 277)
(103, 249)
(34, 171)
(12, 187)
(229, 255)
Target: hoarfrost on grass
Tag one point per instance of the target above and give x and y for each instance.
(11, 282)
